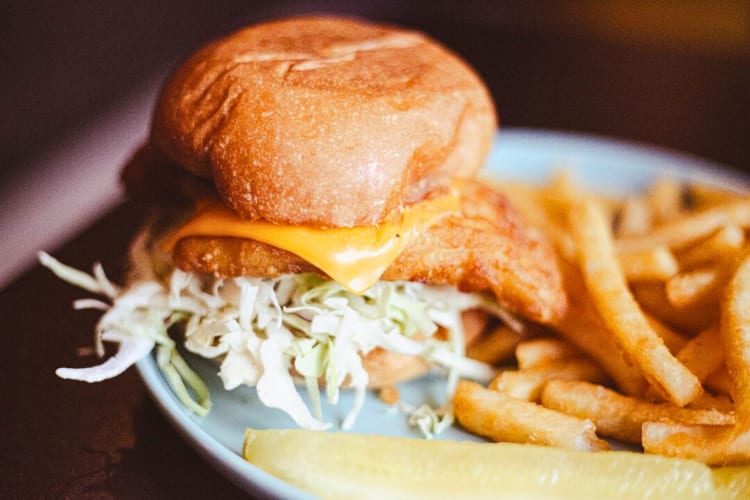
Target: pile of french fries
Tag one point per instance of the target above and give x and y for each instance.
(654, 350)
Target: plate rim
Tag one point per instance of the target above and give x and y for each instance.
(226, 462)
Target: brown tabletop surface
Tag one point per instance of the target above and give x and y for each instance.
(66, 439)
(76, 440)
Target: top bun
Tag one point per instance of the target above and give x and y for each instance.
(326, 122)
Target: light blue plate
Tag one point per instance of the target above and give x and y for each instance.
(610, 166)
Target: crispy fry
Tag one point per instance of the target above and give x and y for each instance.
(653, 299)
(590, 335)
(619, 416)
(719, 382)
(495, 346)
(539, 208)
(690, 228)
(698, 287)
(735, 333)
(619, 311)
(528, 384)
(673, 340)
(668, 301)
(664, 197)
(502, 418)
(702, 354)
(583, 327)
(725, 444)
(563, 187)
(533, 352)
(709, 401)
(634, 217)
(475, 321)
(727, 241)
(711, 444)
(702, 196)
(656, 264)
(562, 184)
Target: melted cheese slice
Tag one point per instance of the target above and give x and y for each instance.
(355, 257)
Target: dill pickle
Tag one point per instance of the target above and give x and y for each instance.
(345, 465)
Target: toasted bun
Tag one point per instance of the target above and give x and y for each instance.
(325, 122)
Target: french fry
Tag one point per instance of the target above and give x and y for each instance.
(582, 326)
(619, 416)
(505, 419)
(620, 312)
(698, 287)
(538, 209)
(563, 187)
(533, 352)
(655, 264)
(562, 241)
(673, 340)
(708, 401)
(562, 183)
(652, 297)
(716, 445)
(634, 217)
(700, 355)
(726, 241)
(702, 196)
(667, 300)
(719, 382)
(474, 321)
(527, 384)
(590, 335)
(664, 197)
(689, 228)
(735, 333)
(495, 346)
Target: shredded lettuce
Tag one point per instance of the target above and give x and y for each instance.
(430, 421)
(272, 333)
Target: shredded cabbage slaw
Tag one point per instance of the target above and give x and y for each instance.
(272, 333)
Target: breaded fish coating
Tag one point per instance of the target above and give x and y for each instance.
(485, 248)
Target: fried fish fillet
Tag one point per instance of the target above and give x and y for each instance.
(487, 247)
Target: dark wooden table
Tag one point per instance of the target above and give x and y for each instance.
(67, 439)
(72, 440)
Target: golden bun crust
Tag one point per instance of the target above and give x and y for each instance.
(322, 121)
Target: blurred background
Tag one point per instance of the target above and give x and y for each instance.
(79, 77)
(675, 73)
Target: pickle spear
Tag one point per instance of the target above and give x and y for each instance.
(345, 465)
